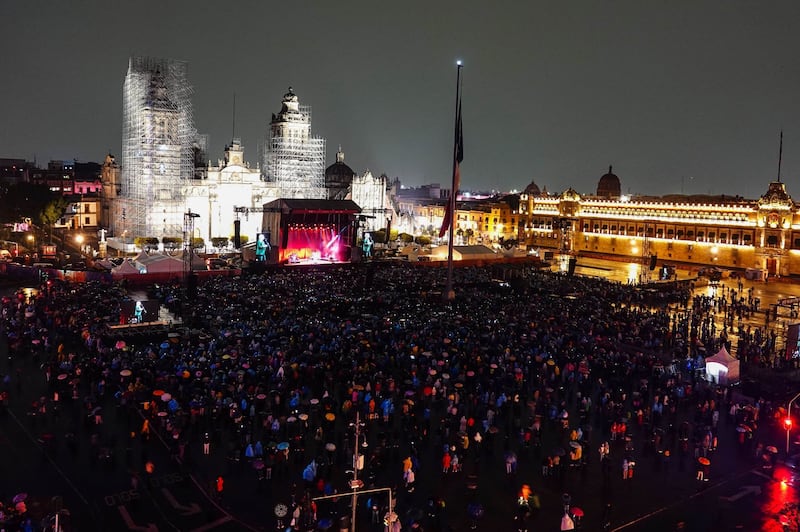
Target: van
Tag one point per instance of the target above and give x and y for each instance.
(43, 265)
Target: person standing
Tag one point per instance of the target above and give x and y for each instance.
(262, 245)
(206, 444)
(446, 459)
(410, 479)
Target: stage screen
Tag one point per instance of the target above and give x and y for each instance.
(263, 246)
(138, 311)
(315, 243)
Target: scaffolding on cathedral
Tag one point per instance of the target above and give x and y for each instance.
(157, 148)
(294, 160)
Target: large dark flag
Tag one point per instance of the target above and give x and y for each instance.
(458, 156)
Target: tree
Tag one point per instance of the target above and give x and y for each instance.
(144, 242)
(52, 211)
(379, 236)
(172, 242)
(219, 241)
(405, 237)
(198, 243)
(24, 200)
(470, 233)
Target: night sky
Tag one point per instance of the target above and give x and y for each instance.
(687, 95)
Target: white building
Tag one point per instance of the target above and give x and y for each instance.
(157, 158)
(294, 160)
(159, 185)
(372, 195)
(232, 189)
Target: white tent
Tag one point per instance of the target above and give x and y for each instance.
(465, 253)
(722, 368)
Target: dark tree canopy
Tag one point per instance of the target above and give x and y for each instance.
(25, 200)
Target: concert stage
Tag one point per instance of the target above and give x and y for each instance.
(311, 231)
(139, 330)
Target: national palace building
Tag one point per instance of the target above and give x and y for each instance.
(724, 231)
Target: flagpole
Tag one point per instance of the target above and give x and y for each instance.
(449, 292)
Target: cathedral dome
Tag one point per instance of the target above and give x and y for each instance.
(533, 189)
(608, 186)
(339, 175)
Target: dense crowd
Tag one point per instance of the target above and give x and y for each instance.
(275, 367)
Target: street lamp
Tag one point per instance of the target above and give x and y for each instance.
(79, 241)
(356, 483)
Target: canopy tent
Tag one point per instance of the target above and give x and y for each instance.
(198, 263)
(141, 257)
(722, 368)
(465, 253)
(164, 264)
(125, 269)
(104, 264)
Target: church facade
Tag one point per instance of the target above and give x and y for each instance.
(163, 180)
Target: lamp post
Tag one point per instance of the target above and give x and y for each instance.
(190, 281)
(355, 483)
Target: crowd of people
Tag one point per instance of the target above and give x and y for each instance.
(274, 369)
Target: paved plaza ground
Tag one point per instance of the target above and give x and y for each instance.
(56, 454)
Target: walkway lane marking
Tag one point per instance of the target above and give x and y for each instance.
(191, 509)
(682, 501)
(746, 490)
(150, 527)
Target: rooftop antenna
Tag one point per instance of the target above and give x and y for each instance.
(780, 157)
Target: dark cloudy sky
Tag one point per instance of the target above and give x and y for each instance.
(687, 94)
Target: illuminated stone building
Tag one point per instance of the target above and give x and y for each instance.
(294, 159)
(477, 221)
(230, 185)
(157, 158)
(164, 178)
(110, 180)
(724, 231)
